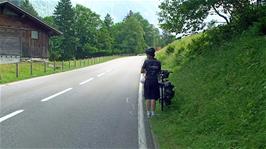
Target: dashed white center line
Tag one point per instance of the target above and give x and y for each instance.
(87, 81)
(109, 70)
(10, 115)
(57, 94)
(100, 75)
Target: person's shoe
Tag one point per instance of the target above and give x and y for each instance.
(148, 114)
(152, 113)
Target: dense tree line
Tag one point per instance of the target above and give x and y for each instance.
(86, 35)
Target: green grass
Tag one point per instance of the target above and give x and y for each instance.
(8, 71)
(220, 97)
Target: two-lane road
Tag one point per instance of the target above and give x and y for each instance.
(93, 107)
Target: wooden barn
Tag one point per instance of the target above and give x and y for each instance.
(22, 35)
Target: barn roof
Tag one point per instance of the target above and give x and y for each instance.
(21, 12)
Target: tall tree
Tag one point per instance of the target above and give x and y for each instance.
(64, 19)
(167, 38)
(105, 40)
(16, 2)
(87, 25)
(108, 21)
(55, 42)
(27, 6)
(181, 16)
(151, 34)
(134, 36)
(130, 13)
(105, 35)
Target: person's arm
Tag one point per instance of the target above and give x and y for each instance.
(143, 68)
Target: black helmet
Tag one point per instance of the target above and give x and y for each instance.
(150, 51)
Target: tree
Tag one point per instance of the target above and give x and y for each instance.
(64, 19)
(130, 13)
(16, 2)
(105, 35)
(181, 16)
(87, 25)
(27, 6)
(105, 40)
(55, 42)
(167, 38)
(108, 21)
(134, 36)
(151, 34)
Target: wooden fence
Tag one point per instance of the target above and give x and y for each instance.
(28, 69)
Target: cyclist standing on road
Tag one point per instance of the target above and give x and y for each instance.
(151, 68)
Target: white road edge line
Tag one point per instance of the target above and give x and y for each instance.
(87, 81)
(100, 75)
(57, 94)
(141, 127)
(10, 115)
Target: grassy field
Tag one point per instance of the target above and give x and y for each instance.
(8, 71)
(220, 97)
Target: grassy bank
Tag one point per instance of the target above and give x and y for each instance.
(8, 71)
(220, 97)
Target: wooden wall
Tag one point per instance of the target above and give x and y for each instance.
(14, 26)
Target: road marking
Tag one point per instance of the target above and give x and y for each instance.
(131, 113)
(133, 106)
(57, 94)
(87, 81)
(10, 115)
(108, 71)
(141, 128)
(100, 75)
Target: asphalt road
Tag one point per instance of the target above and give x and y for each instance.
(92, 107)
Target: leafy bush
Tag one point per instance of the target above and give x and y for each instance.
(170, 49)
(220, 92)
(262, 26)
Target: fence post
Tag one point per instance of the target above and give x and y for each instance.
(54, 65)
(17, 70)
(31, 67)
(62, 65)
(75, 63)
(44, 66)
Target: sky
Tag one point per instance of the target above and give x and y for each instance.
(118, 9)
